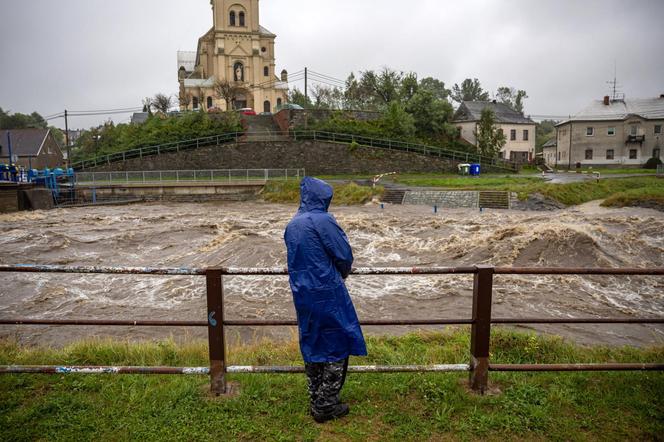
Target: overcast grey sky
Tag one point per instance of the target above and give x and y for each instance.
(100, 54)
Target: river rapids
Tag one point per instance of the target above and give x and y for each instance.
(250, 235)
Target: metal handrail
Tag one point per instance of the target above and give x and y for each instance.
(480, 322)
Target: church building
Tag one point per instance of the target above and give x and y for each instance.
(236, 56)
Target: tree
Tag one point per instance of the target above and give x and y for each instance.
(147, 104)
(225, 90)
(511, 97)
(470, 90)
(353, 98)
(545, 131)
(436, 87)
(162, 103)
(431, 115)
(489, 139)
(382, 88)
(21, 121)
(397, 122)
(296, 96)
(409, 86)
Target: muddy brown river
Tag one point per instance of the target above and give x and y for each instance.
(250, 235)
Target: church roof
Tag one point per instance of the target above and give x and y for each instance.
(472, 111)
(264, 32)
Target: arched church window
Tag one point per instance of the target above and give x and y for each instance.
(209, 102)
(195, 102)
(266, 71)
(232, 18)
(278, 103)
(241, 18)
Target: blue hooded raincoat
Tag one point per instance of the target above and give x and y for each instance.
(319, 259)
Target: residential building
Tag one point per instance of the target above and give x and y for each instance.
(519, 130)
(239, 50)
(35, 148)
(549, 150)
(612, 132)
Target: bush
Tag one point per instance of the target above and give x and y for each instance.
(652, 163)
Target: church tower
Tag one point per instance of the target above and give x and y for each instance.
(238, 52)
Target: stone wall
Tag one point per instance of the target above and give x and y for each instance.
(316, 157)
(443, 199)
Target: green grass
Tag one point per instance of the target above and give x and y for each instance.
(556, 406)
(569, 194)
(646, 196)
(344, 194)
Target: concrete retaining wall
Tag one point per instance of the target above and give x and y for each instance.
(172, 192)
(315, 156)
(443, 199)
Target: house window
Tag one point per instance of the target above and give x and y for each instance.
(658, 129)
(278, 102)
(525, 135)
(501, 132)
(195, 102)
(611, 131)
(513, 135)
(209, 102)
(655, 153)
(609, 154)
(241, 18)
(558, 156)
(232, 18)
(590, 131)
(633, 129)
(632, 154)
(589, 154)
(266, 71)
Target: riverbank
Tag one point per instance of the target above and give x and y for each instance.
(556, 406)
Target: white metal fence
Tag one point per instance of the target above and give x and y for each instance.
(184, 176)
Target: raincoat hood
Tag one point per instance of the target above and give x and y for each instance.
(315, 195)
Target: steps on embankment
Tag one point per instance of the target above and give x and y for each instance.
(261, 128)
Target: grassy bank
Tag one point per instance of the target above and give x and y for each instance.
(652, 196)
(344, 194)
(558, 406)
(569, 194)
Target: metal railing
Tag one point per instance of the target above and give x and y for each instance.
(270, 136)
(187, 176)
(480, 321)
(449, 154)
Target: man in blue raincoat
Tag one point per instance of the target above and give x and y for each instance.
(319, 259)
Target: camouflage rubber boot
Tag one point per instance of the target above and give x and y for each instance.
(327, 404)
(314, 380)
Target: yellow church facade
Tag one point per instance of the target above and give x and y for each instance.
(234, 65)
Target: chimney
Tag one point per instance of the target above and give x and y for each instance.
(606, 100)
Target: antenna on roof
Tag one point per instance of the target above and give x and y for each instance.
(616, 94)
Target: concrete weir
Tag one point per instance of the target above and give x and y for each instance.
(181, 191)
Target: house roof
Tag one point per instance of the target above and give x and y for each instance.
(551, 143)
(25, 142)
(264, 32)
(647, 108)
(140, 117)
(472, 111)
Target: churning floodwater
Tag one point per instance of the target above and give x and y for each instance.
(250, 235)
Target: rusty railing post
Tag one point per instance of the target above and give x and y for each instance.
(216, 342)
(480, 333)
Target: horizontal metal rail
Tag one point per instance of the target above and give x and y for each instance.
(480, 321)
(575, 367)
(214, 176)
(54, 369)
(271, 271)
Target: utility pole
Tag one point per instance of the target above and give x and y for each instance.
(306, 83)
(67, 140)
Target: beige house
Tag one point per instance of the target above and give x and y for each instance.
(621, 132)
(239, 50)
(519, 131)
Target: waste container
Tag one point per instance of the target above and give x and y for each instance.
(464, 169)
(475, 169)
